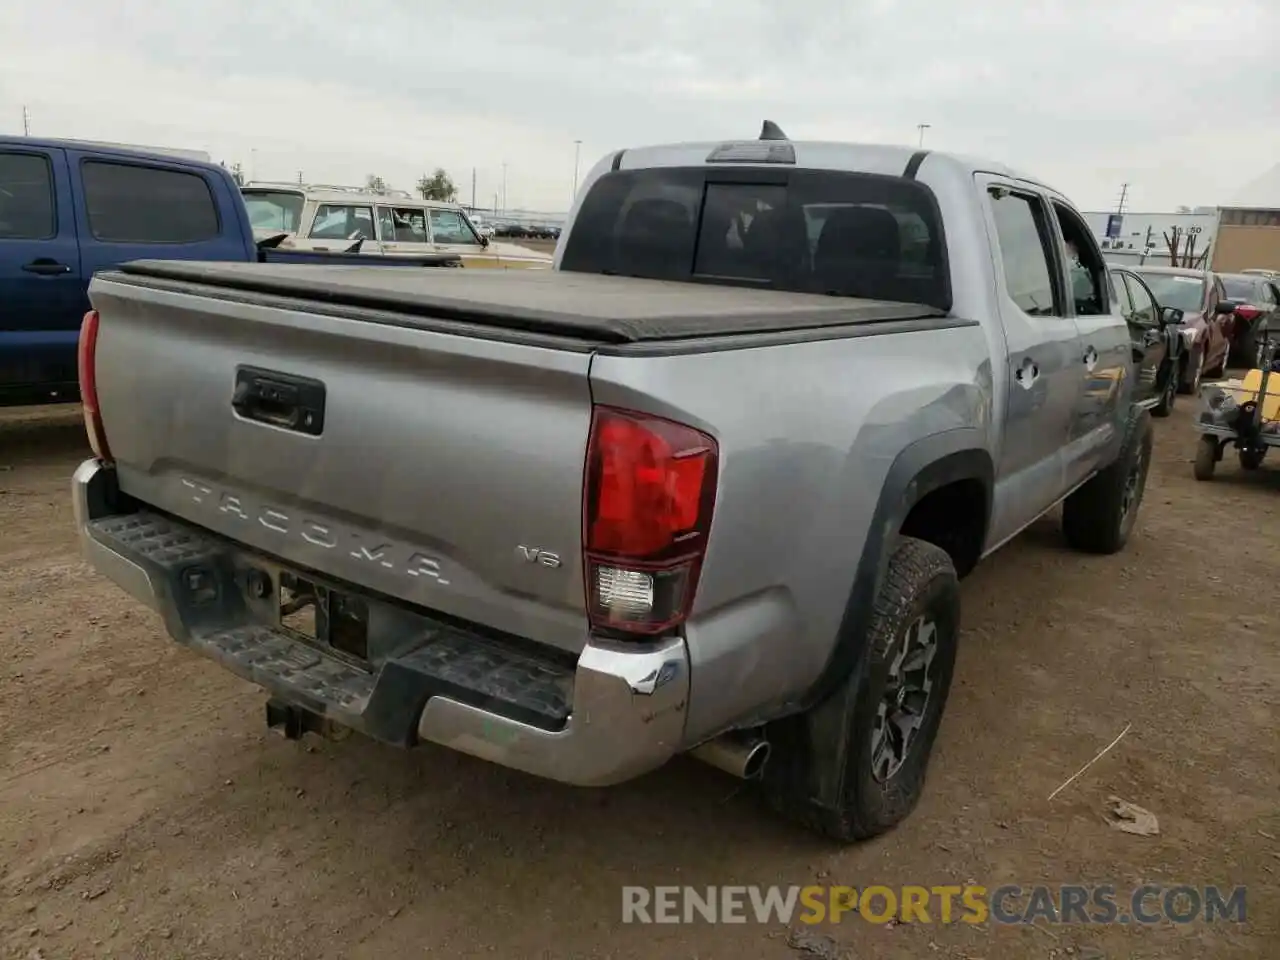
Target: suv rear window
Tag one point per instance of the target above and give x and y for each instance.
(131, 203)
(809, 231)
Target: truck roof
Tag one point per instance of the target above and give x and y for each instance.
(886, 159)
(583, 306)
(119, 149)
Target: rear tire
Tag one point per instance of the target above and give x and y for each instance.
(887, 713)
(1206, 458)
(1190, 372)
(1251, 459)
(1099, 517)
(1244, 351)
(1168, 392)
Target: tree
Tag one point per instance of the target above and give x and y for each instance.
(375, 184)
(438, 186)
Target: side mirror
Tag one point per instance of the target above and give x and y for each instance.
(1224, 308)
(1171, 316)
(484, 241)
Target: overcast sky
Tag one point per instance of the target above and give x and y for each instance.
(1181, 99)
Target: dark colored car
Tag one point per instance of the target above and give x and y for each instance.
(1155, 331)
(1206, 326)
(1257, 302)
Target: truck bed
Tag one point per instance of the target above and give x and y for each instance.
(592, 307)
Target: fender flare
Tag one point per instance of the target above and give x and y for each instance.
(829, 706)
(918, 470)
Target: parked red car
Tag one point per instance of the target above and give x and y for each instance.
(1207, 316)
(1257, 300)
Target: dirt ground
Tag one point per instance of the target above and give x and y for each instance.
(146, 812)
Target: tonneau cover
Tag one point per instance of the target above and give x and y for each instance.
(608, 309)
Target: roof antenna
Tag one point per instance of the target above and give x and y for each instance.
(771, 131)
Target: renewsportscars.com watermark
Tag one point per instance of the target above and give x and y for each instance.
(948, 903)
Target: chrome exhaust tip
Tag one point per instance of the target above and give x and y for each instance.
(742, 757)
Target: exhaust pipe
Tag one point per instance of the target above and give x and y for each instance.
(742, 756)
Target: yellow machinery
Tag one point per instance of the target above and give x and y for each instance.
(1245, 413)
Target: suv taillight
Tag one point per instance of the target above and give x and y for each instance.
(647, 501)
(1245, 312)
(86, 357)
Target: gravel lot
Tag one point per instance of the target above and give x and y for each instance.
(146, 812)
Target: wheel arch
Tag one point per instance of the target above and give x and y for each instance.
(920, 469)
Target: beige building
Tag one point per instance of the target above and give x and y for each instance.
(1241, 235)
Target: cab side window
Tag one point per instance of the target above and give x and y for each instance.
(1022, 230)
(26, 197)
(1086, 271)
(136, 203)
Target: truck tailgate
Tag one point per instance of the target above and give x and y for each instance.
(436, 468)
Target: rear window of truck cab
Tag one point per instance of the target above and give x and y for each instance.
(809, 231)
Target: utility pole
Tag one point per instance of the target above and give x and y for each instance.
(26, 121)
(504, 186)
(1124, 194)
(922, 127)
(473, 188)
(299, 178)
(577, 153)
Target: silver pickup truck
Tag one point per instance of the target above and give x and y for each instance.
(708, 486)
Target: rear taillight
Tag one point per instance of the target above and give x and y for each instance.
(1246, 312)
(649, 492)
(86, 364)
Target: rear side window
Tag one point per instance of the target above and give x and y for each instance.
(26, 197)
(336, 221)
(1022, 228)
(130, 203)
(844, 234)
(1242, 288)
(274, 209)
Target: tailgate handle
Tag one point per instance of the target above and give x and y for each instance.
(279, 400)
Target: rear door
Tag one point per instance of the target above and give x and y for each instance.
(42, 290)
(135, 209)
(404, 230)
(1104, 353)
(1043, 365)
(337, 226)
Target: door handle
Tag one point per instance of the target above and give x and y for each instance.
(280, 400)
(46, 267)
(1026, 374)
(1090, 358)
